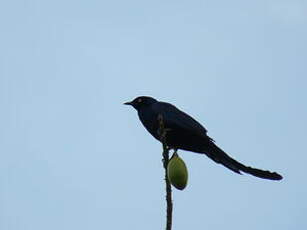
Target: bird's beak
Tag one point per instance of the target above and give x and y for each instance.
(128, 103)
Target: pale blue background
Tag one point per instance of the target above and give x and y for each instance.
(73, 157)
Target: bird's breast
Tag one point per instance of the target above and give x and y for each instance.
(150, 122)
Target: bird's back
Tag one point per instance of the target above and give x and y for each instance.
(184, 132)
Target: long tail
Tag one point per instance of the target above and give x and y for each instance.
(219, 156)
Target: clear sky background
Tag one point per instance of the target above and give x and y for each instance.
(73, 157)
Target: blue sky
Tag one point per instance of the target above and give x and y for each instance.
(73, 157)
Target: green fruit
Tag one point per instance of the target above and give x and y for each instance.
(177, 172)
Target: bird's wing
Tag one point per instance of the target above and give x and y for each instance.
(177, 119)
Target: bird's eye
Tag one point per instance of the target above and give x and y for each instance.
(139, 100)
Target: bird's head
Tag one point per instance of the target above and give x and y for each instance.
(141, 102)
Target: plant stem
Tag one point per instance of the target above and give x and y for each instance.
(169, 204)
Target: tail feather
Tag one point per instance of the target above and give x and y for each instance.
(219, 156)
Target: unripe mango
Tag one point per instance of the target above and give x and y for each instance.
(177, 172)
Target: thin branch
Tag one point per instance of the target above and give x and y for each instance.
(169, 204)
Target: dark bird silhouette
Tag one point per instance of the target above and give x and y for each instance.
(184, 132)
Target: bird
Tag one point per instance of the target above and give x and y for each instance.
(185, 133)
